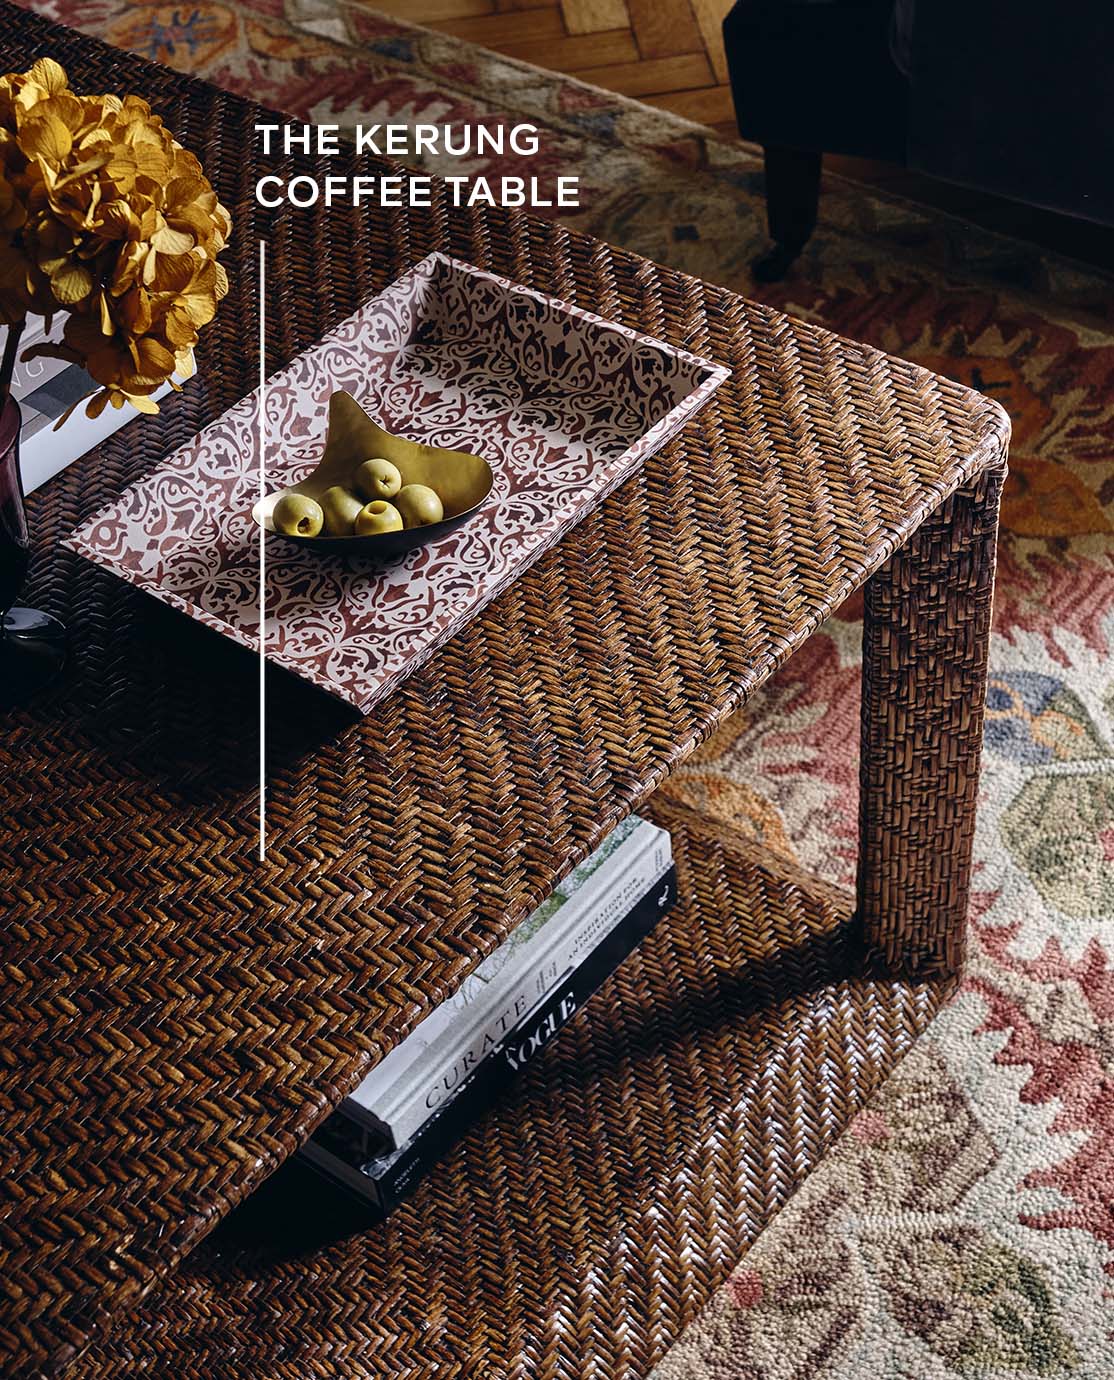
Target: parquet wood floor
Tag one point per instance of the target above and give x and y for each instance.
(666, 51)
(669, 53)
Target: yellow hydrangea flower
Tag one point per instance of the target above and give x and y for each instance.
(105, 216)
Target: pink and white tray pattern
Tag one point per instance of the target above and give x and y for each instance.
(563, 405)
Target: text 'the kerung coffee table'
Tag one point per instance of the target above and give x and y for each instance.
(178, 1017)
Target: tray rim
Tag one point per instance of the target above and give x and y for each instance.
(563, 519)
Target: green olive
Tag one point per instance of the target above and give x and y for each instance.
(419, 505)
(378, 517)
(295, 515)
(341, 510)
(377, 478)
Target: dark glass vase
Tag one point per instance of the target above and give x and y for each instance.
(32, 644)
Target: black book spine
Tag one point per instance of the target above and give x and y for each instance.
(388, 1182)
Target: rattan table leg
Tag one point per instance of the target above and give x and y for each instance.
(925, 639)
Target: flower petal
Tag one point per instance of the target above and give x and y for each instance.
(71, 284)
(48, 74)
(48, 137)
(169, 241)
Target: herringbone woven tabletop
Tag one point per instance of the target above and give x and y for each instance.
(177, 1016)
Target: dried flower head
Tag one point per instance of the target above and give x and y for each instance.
(105, 216)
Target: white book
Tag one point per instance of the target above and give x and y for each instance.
(346, 1152)
(422, 1101)
(405, 1089)
(45, 389)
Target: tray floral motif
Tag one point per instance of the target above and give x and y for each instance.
(563, 405)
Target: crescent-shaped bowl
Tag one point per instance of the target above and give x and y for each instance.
(461, 480)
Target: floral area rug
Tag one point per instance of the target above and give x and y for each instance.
(965, 1224)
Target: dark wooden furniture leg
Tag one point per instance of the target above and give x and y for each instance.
(925, 640)
(792, 203)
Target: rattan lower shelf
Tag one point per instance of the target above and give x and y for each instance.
(581, 1226)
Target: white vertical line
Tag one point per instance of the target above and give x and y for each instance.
(262, 556)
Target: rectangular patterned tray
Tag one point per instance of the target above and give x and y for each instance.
(561, 403)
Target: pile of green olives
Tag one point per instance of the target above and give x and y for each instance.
(377, 502)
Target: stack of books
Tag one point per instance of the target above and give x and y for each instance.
(430, 1089)
(46, 389)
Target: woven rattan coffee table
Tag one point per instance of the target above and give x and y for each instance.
(178, 1017)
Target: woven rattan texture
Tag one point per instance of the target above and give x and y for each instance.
(580, 1228)
(176, 1016)
(925, 631)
